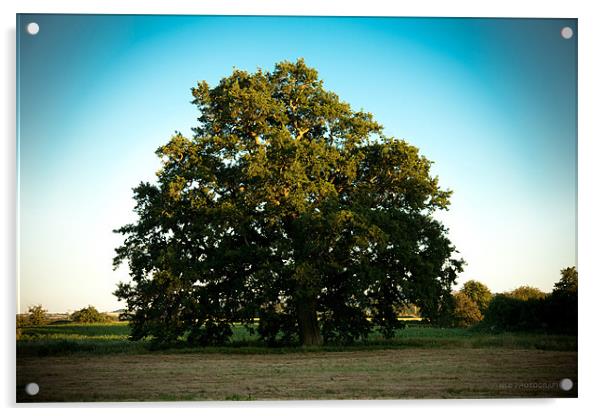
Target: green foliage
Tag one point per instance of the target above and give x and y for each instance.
(563, 301)
(37, 315)
(408, 309)
(556, 312)
(478, 293)
(466, 310)
(89, 315)
(22, 321)
(526, 293)
(286, 205)
(112, 338)
(568, 281)
(507, 313)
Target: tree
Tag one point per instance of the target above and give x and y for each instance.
(567, 282)
(37, 315)
(466, 310)
(527, 308)
(479, 293)
(526, 292)
(563, 307)
(89, 315)
(506, 313)
(288, 206)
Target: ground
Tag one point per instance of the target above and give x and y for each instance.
(438, 363)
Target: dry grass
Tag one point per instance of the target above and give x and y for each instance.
(384, 374)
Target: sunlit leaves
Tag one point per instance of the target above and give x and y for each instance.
(285, 205)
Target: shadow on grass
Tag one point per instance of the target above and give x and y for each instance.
(432, 338)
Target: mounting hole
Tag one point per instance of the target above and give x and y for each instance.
(32, 389)
(566, 384)
(33, 28)
(566, 33)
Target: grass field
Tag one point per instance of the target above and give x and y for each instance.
(97, 362)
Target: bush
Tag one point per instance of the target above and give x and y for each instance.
(478, 293)
(89, 315)
(22, 321)
(466, 311)
(508, 313)
(37, 315)
(528, 310)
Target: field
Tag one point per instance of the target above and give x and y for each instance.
(97, 363)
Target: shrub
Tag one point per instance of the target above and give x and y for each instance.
(22, 321)
(466, 311)
(478, 293)
(37, 315)
(511, 314)
(89, 315)
(528, 310)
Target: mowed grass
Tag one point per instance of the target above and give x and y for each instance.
(98, 363)
(379, 374)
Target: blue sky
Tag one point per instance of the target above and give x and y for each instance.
(491, 101)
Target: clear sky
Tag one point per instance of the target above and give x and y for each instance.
(491, 101)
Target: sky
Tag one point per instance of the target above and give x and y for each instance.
(491, 101)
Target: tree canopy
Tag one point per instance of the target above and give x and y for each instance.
(286, 206)
(526, 293)
(567, 282)
(479, 293)
(466, 310)
(37, 315)
(88, 315)
(527, 308)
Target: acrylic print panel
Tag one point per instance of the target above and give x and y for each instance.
(286, 208)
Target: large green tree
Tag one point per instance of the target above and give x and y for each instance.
(288, 206)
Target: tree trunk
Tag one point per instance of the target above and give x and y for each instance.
(309, 330)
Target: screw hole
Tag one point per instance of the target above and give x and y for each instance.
(32, 389)
(566, 384)
(566, 32)
(33, 28)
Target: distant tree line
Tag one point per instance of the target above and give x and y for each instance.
(522, 309)
(37, 315)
